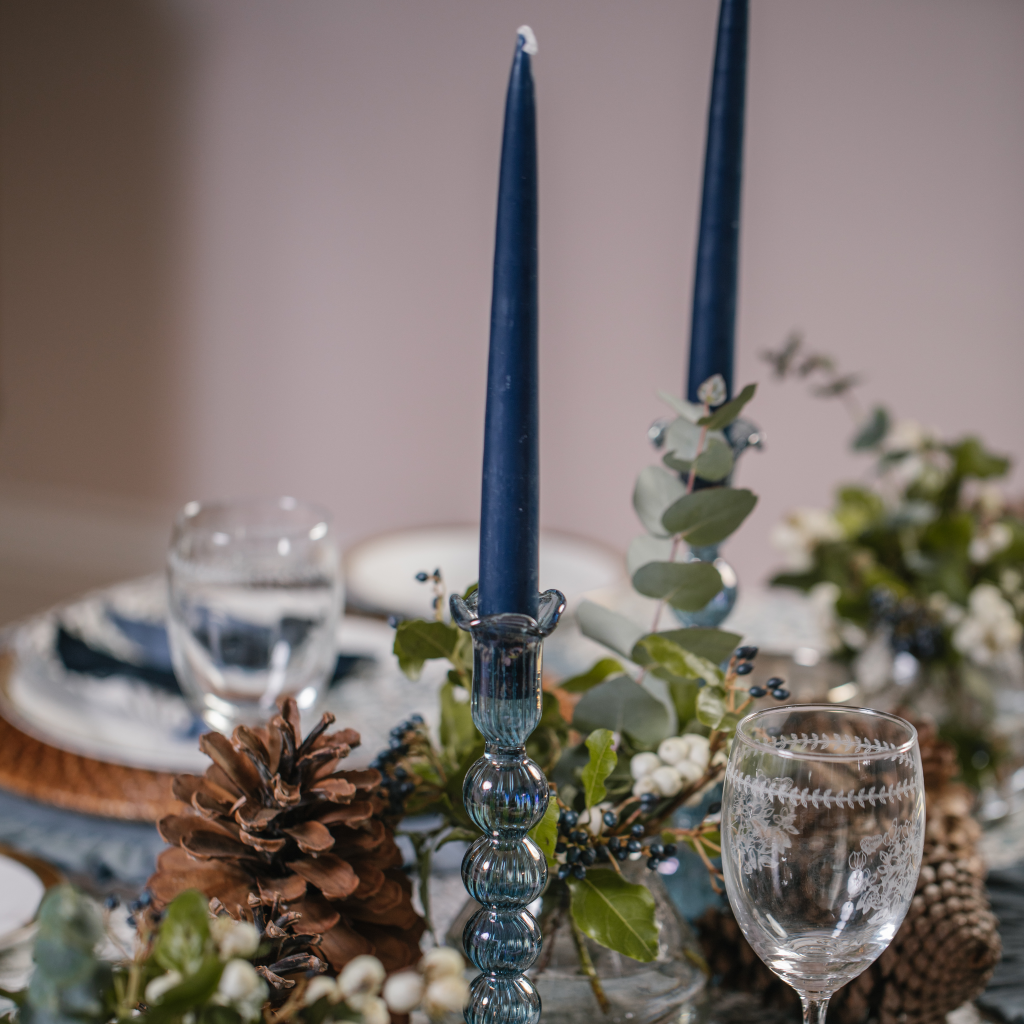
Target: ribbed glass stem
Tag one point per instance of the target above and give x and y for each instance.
(505, 794)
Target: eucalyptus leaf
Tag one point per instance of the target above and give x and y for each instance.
(608, 627)
(710, 706)
(684, 696)
(725, 414)
(685, 585)
(615, 913)
(709, 516)
(457, 728)
(872, 433)
(622, 705)
(682, 439)
(691, 411)
(545, 832)
(601, 744)
(715, 462)
(597, 673)
(644, 549)
(419, 640)
(713, 644)
(655, 492)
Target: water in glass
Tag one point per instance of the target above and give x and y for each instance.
(822, 836)
(254, 600)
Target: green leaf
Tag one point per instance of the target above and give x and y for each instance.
(973, 460)
(457, 728)
(709, 516)
(715, 462)
(184, 933)
(418, 640)
(725, 414)
(622, 705)
(872, 432)
(597, 673)
(691, 411)
(710, 706)
(685, 585)
(192, 992)
(656, 490)
(713, 644)
(608, 627)
(601, 744)
(616, 913)
(644, 549)
(682, 439)
(545, 832)
(658, 649)
(684, 696)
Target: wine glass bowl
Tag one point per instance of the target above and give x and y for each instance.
(822, 836)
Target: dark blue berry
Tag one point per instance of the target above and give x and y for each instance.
(145, 898)
(744, 668)
(757, 691)
(670, 849)
(610, 818)
(568, 818)
(579, 871)
(621, 854)
(656, 850)
(775, 682)
(633, 846)
(560, 847)
(637, 830)
(422, 577)
(573, 855)
(653, 863)
(746, 653)
(393, 621)
(131, 921)
(602, 854)
(578, 836)
(614, 843)
(563, 871)
(588, 856)
(112, 902)
(701, 681)
(780, 693)
(416, 719)
(401, 773)
(714, 808)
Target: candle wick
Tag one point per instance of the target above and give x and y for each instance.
(529, 39)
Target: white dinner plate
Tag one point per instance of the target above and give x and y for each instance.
(380, 573)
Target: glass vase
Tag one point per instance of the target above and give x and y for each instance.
(581, 982)
(505, 794)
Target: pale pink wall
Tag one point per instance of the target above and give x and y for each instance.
(340, 164)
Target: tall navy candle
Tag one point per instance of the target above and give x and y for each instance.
(509, 514)
(714, 288)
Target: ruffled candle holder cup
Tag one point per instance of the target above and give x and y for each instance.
(505, 794)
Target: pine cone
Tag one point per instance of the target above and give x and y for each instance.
(272, 816)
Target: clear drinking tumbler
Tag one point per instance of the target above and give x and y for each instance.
(254, 598)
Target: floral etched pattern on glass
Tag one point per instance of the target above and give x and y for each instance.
(822, 835)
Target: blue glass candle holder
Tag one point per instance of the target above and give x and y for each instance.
(505, 794)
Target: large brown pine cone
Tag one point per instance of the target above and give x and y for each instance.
(273, 816)
(946, 949)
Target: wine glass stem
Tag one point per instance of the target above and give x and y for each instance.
(814, 1008)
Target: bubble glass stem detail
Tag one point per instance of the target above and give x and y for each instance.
(505, 794)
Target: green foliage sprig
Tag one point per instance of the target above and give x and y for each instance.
(677, 691)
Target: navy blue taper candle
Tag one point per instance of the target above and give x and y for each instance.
(714, 288)
(509, 513)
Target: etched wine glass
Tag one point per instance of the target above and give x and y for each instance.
(822, 836)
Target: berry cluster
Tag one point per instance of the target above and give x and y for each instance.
(435, 578)
(912, 629)
(745, 665)
(581, 849)
(397, 784)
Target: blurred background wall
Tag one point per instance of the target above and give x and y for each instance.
(246, 248)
